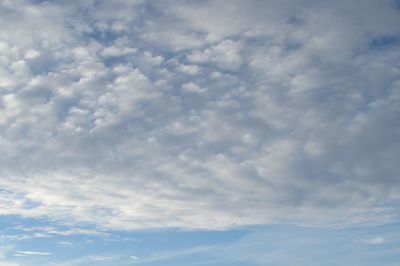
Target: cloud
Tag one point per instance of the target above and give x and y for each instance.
(49, 231)
(137, 115)
(4, 263)
(226, 55)
(100, 258)
(23, 253)
(66, 244)
(176, 254)
(375, 241)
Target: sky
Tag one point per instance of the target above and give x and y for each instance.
(195, 132)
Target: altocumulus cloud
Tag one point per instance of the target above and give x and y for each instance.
(200, 114)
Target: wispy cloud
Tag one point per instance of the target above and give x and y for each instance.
(375, 241)
(48, 231)
(176, 254)
(100, 258)
(24, 253)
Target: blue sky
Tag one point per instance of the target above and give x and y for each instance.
(199, 132)
(255, 245)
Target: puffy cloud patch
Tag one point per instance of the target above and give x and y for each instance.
(137, 115)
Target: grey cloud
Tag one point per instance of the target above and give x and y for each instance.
(289, 115)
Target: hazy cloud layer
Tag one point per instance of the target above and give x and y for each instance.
(200, 114)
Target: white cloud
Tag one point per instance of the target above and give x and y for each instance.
(226, 55)
(4, 263)
(23, 253)
(66, 243)
(121, 47)
(189, 69)
(100, 258)
(199, 116)
(191, 87)
(31, 54)
(168, 255)
(375, 241)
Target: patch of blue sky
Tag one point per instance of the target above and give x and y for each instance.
(271, 245)
(386, 41)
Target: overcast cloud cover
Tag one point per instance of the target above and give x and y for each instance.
(130, 115)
